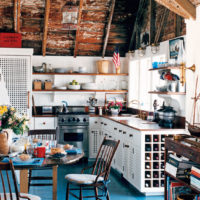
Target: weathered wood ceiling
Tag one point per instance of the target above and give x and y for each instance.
(102, 25)
(88, 40)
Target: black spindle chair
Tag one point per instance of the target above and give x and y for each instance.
(98, 178)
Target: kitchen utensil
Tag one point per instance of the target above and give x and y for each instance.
(38, 69)
(60, 70)
(47, 109)
(44, 66)
(82, 69)
(74, 87)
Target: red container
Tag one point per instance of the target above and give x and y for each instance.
(39, 152)
(11, 40)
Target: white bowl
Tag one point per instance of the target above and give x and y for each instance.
(74, 87)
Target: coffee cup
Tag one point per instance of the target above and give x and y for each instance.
(39, 152)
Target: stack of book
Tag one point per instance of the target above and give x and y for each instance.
(195, 177)
(178, 167)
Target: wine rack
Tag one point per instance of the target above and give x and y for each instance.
(154, 160)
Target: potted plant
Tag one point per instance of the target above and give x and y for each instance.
(10, 122)
(115, 107)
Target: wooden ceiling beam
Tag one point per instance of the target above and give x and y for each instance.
(111, 12)
(137, 19)
(177, 25)
(183, 8)
(78, 28)
(160, 28)
(15, 15)
(45, 30)
(152, 18)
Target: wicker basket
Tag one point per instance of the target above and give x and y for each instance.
(37, 85)
(103, 66)
(186, 197)
(47, 85)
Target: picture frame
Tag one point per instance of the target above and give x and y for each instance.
(176, 49)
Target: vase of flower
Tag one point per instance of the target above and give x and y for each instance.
(10, 123)
(114, 111)
(115, 107)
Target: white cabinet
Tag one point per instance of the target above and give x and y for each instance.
(45, 123)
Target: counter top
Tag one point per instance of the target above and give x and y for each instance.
(136, 123)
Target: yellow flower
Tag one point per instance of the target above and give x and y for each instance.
(12, 109)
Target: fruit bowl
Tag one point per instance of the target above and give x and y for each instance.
(74, 87)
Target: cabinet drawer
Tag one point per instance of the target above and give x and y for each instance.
(45, 123)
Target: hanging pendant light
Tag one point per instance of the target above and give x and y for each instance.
(155, 48)
(70, 15)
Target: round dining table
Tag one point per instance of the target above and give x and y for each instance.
(48, 162)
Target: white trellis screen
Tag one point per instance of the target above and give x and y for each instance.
(16, 72)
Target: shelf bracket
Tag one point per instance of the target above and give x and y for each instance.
(183, 69)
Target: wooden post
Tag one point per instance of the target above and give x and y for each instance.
(55, 168)
(108, 27)
(45, 30)
(24, 181)
(78, 27)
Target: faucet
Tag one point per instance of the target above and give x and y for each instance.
(65, 104)
(135, 101)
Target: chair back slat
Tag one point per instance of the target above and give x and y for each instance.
(9, 186)
(3, 185)
(104, 157)
(11, 178)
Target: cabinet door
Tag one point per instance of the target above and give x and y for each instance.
(93, 143)
(17, 75)
(45, 123)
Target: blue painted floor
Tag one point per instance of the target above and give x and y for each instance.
(118, 188)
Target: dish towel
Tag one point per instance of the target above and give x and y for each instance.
(74, 151)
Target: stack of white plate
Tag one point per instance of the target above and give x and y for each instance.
(60, 70)
(89, 86)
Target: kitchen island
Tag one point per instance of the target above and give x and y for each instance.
(140, 156)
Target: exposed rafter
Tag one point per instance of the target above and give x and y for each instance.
(15, 15)
(136, 23)
(183, 8)
(160, 28)
(152, 18)
(108, 27)
(18, 15)
(78, 27)
(45, 30)
(177, 25)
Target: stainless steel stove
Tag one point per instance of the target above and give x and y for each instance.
(73, 128)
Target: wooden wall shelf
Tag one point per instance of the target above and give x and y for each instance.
(163, 68)
(167, 93)
(113, 91)
(80, 74)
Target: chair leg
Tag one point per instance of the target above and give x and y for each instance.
(81, 196)
(107, 196)
(67, 192)
(96, 192)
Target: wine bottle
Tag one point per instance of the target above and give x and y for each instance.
(147, 156)
(147, 166)
(147, 175)
(147, 184)
(155, 184)
(162, 147)
(155, 147)
(147, 138)
(147, 147)
(162, 138)
(162, 174)
(156, 156)
(155, 174)
(155, 165)
(155, 138)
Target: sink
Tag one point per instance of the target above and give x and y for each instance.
(124, 118)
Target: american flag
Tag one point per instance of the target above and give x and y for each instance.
(116, 58)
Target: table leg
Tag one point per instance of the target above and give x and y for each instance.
(24, 181)
(55, 182)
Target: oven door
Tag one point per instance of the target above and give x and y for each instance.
(74, 135)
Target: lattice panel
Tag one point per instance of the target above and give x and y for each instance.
(17, 78)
